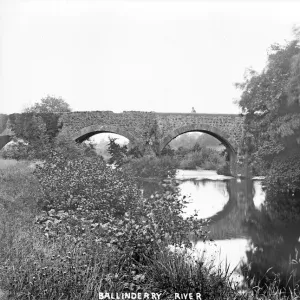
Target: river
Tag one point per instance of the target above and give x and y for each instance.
(247, 237)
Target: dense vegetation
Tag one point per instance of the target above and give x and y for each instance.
(75, 236)
(64, 235)
(271, 102)
(199, 157)
(188, 157)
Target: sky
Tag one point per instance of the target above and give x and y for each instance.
(163, 56)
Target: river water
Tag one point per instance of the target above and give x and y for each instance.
(247, 238)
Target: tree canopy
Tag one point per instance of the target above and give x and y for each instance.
(49, 104)
(271, 102)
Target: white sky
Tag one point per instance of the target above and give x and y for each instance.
(164, 56)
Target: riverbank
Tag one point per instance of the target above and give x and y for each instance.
(163, 273)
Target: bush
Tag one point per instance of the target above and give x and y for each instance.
(128, 253)
(151, 167)
(86, 186)
(93, 195)
(69, 149)
(92, 209)
(224, 169)
(18, 150)
(205, 158)
(283, 174)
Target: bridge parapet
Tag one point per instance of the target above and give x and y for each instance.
(229, 127)
(131, 124)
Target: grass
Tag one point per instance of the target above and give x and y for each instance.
(34, 267)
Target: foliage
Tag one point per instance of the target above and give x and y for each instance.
(188, 140)
(15, 150)
(68, 185)
(49, 104)
(284, 173)
(65, 146)
(150, 167)
(168, 151)
(23, 124)
(19, 192)
(32, 130)
(35, 266)
(103, 231)
(3, 120)
(203, 158)
(111, 203)
(271, 102)
(224, 169)
(179, 272)
(117, 152)
(38, 127)
(283, 207)
(40, 269)
(34, 135)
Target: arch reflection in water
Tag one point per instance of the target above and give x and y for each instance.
(206, 197)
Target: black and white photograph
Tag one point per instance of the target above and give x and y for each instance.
(149, 149)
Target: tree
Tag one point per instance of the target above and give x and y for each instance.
(49, 104)
(118, 153)
(271, 102)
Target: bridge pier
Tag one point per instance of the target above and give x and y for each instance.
(233, 164)
(243, 169)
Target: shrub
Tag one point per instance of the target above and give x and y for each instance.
(18, 150)
(96, 192)
(69, 149)
(283, 175)
(150, 167)
(224, 169)
(107, 200)
(205, 158)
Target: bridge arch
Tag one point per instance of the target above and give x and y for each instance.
(4, 139)
(219, 134)
(91, 130)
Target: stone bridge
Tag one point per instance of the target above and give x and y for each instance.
(150, 128)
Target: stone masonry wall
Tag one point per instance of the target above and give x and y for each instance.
(131, 123)
(229, 127)
(139, 126)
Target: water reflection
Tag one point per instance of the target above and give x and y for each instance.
(252, 231)
(259, 194)
(205, 197)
